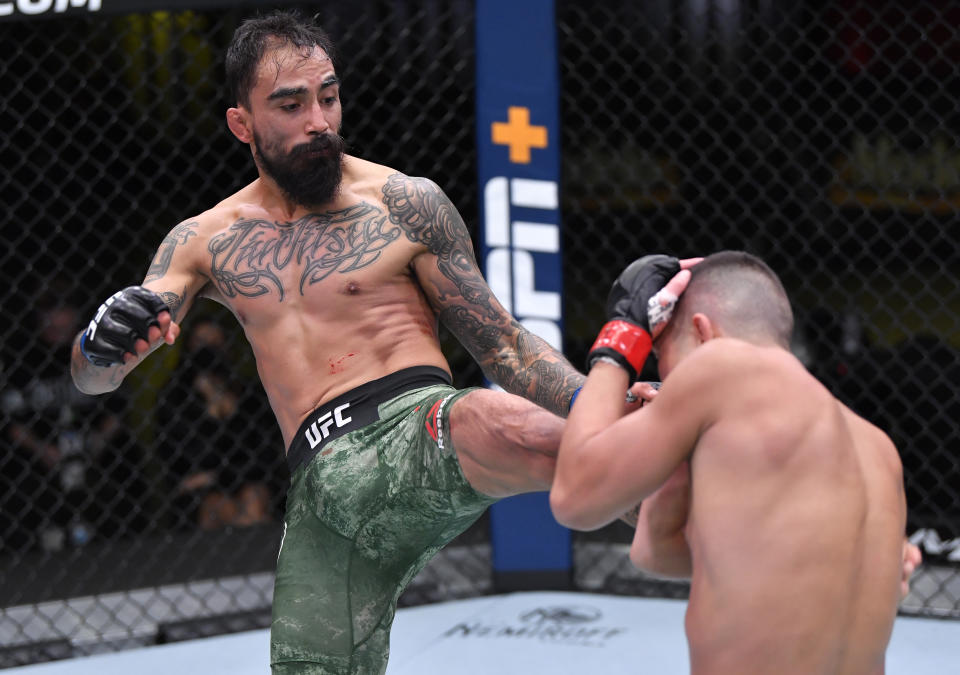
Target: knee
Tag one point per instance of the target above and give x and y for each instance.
(534, 429)
(505, 444)
(510, 422)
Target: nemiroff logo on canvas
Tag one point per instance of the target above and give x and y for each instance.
(570, 624)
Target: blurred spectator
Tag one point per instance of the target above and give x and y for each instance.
(217, 437)
(67, 465)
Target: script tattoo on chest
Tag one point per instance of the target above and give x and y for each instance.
(248, 258)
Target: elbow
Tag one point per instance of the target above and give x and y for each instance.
(573, 496)
(560, 506)
(654, 567)
(571, 511)
(666, 559)
(642, 557)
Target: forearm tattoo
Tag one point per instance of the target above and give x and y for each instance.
(509, 354)
(174, 302)
(177, 237)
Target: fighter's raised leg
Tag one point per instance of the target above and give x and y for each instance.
(506, 445)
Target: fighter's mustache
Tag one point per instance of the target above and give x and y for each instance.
(324, 144)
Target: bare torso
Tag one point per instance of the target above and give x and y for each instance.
(352, 288)
(327, 301)
(790, 517)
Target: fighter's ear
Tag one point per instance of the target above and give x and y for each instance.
(238, 119)
(704, 328)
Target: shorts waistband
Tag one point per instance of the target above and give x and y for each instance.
(355, 409)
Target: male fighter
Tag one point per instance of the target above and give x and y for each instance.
(338, 270)
(785, 508)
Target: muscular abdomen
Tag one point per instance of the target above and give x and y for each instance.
(338, 335)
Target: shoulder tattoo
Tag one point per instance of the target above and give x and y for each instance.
(176, 237)
(427, 216)
(510, 355)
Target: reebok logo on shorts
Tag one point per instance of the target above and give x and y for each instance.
(434, 421)
(431, 422)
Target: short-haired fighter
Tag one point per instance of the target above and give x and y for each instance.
(339, 270)
(784, 508)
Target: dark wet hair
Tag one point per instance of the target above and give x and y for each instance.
(741, 292)
(254, 37)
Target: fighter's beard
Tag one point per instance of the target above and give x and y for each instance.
(306, 178)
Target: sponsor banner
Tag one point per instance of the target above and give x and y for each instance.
(518, 148)
(21, 10)
(541, 632)
(577, 625)
(25, 9)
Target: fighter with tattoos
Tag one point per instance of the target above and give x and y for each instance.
(339, 270)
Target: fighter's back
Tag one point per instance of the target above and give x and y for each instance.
(796, 524)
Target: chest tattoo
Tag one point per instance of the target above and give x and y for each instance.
(250, 256)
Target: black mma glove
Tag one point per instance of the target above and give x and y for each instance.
(125, 317)
(632, 303)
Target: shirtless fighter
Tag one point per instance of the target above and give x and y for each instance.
(339, 270)
(785, 508)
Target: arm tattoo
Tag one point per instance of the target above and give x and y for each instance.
(174, 302)
(509, 354)
(428, 217)
(177, 236)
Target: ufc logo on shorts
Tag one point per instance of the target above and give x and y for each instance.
(317, 432)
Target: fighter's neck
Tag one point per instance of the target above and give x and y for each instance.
(273, 199)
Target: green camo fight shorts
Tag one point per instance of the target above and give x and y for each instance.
(375, 491)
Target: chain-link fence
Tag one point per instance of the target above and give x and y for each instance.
(824, 140)
(822, 137)
(156, 510)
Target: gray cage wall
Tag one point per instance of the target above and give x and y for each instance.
(821, 136)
